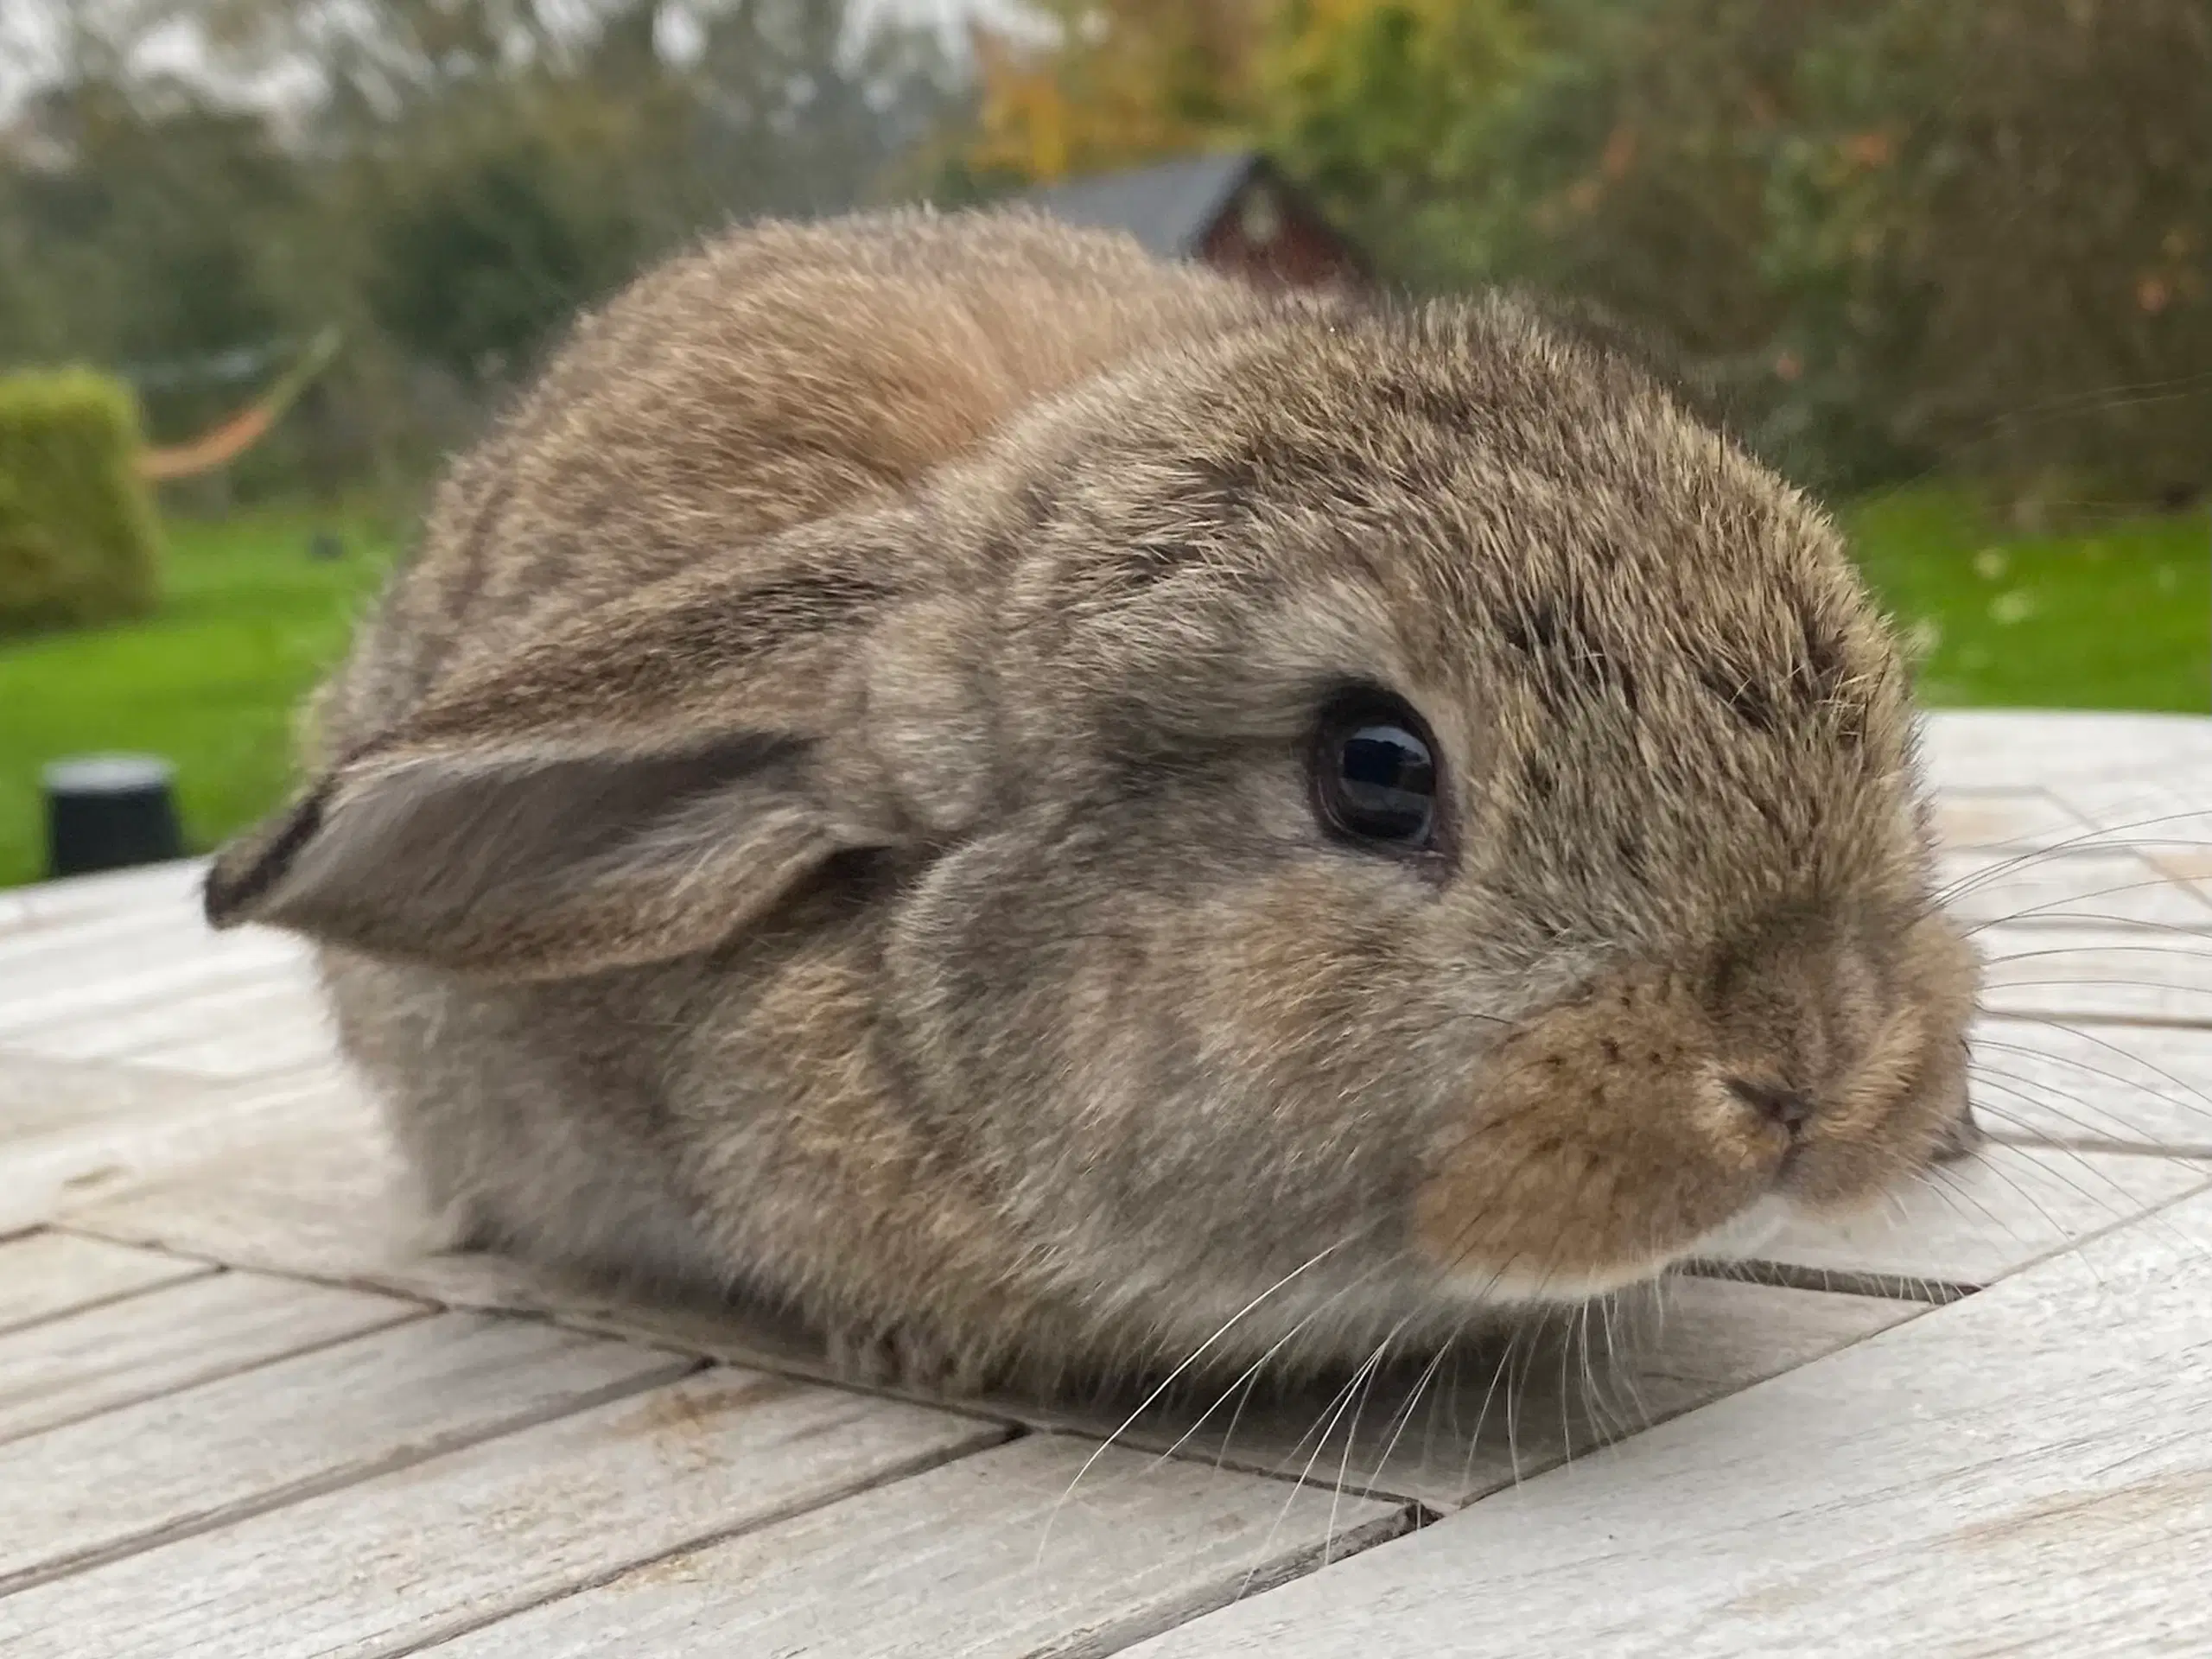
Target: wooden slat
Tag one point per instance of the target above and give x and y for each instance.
(58, 904)
(2012, 819)
(2089, 889)
(1972, 1222)
(1496, 1412)
(1442, 1435)
(157, 1471)
(42, 968)
(993, 1555)
(112, 983)
(86, 1363)
(2077, 973)
(2025, 1472)
(73, 1134)
(2146, 806)
(401, 1561)
(46, 1274)
(256, 1029)
(2062, 753)
(55, 940)
(2144, 1087)
(310, 1185)
(40, 1097)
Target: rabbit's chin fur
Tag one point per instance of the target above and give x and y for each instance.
(836, 812)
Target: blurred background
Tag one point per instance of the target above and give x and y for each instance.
(265, 264)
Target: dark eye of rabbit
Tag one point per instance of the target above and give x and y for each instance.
(1375, 773)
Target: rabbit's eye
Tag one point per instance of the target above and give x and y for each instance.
(1375, 773)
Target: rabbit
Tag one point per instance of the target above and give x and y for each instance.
(1053, 812)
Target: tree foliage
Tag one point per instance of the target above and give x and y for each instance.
(448, 181)
(1889, 234)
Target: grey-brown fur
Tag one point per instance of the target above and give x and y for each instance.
(825, 813)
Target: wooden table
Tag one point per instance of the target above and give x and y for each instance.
(238, 1417)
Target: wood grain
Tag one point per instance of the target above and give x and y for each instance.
(1972, 1222)
(317, 1201)
(1484, 1415)
(2026, 1471)
(46, 1274)
(43, 1096)
(59, 903)
(2062, 753)
(307, 1185)
(993, 1555)
(401, 1561)
(2140, 1087)
(260, 1027)
(2099, 890)
(74, 1135)
(2078, 974)
(1499, 1411)
(2011, 819)
(151, 1472)
(83, 1363)
(105, 986)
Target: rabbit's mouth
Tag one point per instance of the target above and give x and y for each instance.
(1737, 1239)
(1656, 1114)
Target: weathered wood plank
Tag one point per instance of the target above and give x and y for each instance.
(40, 1097)
(1976, 1221)
(2102, 974)
(149, 1474)
(108, 984)
(993, 1555)
(2011, 819)
(42, 968)
(308, 1185)
(46, 1274)
(89, 1362)
(2088, 889)
(1498, 1411)
(61, 904)
(2029, 1471)
(73, 1134)
(255, 1029)
(2140, 1087)
(2062, 753)
(401, 1561)
(1486, 1415)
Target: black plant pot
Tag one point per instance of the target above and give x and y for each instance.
(107, 811)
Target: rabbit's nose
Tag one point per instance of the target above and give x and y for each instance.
(1775, 1102)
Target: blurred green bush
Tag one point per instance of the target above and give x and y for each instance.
(79, 541)
(1897, 235)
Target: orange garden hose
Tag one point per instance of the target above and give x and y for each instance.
(233, 437)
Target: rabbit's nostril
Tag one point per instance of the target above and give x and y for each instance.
(1788, 1107)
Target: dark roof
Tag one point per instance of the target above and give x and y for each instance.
(1168, 208)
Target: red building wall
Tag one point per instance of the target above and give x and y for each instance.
(1265, 235)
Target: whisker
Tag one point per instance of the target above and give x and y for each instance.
(1190, 1360)
(2149, 1065)
(2202, 1104)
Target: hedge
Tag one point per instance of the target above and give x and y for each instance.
(79, 539)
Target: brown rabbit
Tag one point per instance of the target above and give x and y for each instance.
(1043, 808)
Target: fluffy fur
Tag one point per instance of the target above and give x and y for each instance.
(825, 814)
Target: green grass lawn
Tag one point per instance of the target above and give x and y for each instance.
(2119, 618)
(247, 624)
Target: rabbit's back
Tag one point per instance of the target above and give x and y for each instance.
(779, 374)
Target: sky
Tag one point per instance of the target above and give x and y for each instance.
(31, 32)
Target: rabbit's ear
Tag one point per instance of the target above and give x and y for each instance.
(636, 785)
